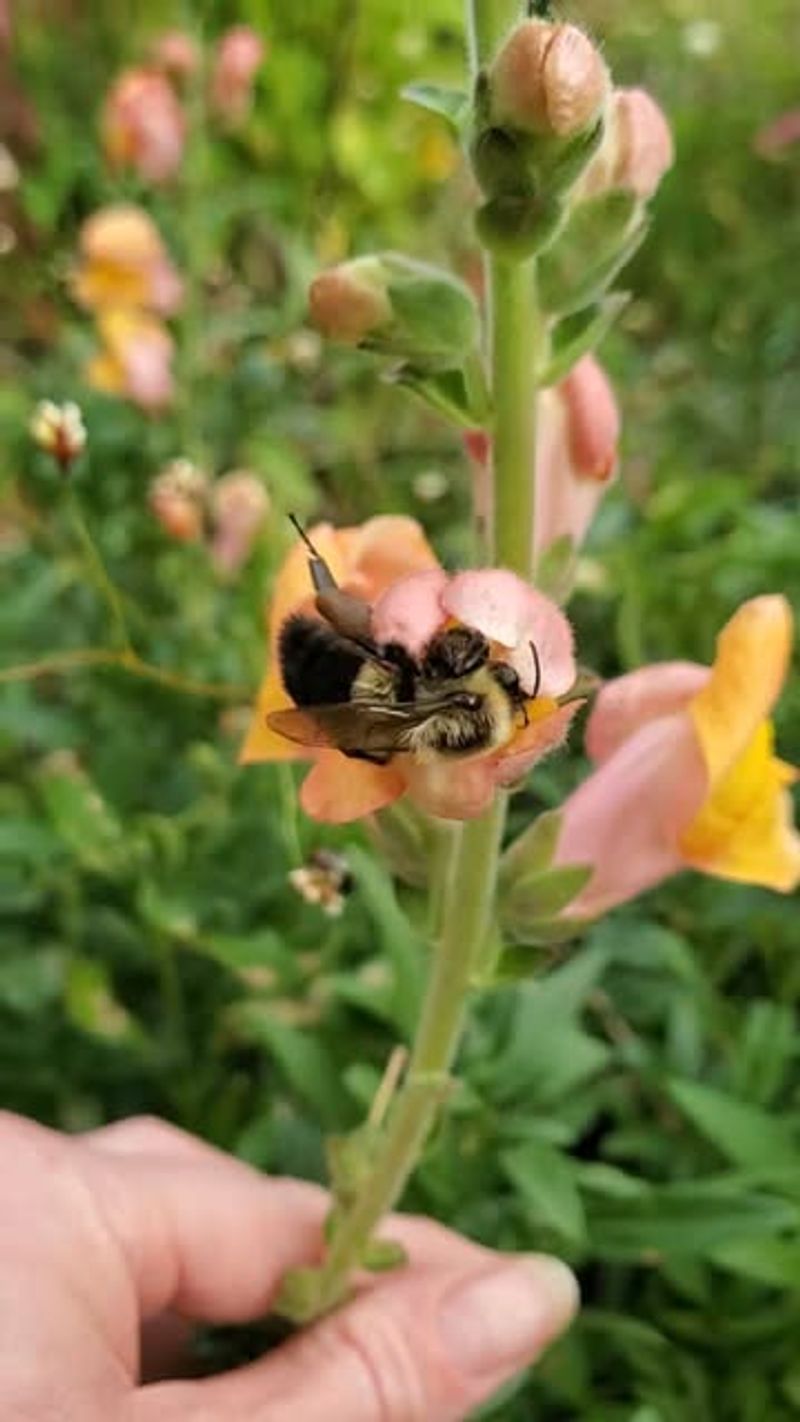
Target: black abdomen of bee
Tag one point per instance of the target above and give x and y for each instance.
(317, 665)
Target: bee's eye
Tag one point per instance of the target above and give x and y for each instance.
(471, 701)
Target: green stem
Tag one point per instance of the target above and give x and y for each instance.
(466, 917)
(513, 354)
(463, 882)
(99, 573)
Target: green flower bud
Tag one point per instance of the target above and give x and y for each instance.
(517, 227)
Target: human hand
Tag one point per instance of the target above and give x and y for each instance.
(139, 1221)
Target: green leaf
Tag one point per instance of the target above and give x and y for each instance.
(545, 1054)
(579, 333)
(532, 851)
(768, 1261)
(304, 1061)
(81, 817)
(744, 1134)
(91, 1004)
(536, 896)
(546, 1180)
(693, 1218)
(444, 391)
(450, 104)
(402, 946)
(350, 1161)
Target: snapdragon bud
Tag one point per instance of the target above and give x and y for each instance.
(396, 307)
(637, 149)
(547, 79)
(348, 303)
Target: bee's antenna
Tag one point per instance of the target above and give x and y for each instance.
(321, 575)
(537, 665)
(298, 527)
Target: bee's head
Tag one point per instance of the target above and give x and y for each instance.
(454, 653)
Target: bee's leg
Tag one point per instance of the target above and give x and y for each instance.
(398, 657)
(374, 757)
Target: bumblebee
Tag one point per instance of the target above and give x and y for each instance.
(373, 702)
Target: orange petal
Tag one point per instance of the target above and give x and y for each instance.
(384, 549)
(261, 742)
(748, 673)
(338, 789)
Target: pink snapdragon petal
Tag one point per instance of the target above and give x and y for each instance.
(506, 610)
(624, 705)
(593, 421)
(626, 818)
(452, 791)
(411, 610)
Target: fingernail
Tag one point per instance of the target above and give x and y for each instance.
(507, 1316)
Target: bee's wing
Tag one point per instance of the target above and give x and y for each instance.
(374, 727)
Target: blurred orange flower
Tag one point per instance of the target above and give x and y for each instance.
(136, 358)
(123, 262)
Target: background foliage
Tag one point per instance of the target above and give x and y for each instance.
(154, 956)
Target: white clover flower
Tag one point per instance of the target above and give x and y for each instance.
(59, 430)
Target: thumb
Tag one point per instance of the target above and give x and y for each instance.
(424, 1345)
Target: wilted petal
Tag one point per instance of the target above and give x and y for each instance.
(337, 789)
(411, 611)
(624, 705)
(627, 817)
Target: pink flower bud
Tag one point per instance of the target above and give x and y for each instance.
(143, 126)
(176, 498)
(239, 504)
(547, 79)
(637, 149)
(592, 420)
(176, 53)
(239, 57)
(576, 455)
(347, 303)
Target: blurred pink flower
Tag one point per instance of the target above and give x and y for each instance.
(781, 133)
(239, 57)
(686, 775)
(177, 499)
(637, 149)
(578, 437)
(389, 562)
(176, 53)
(576, 453)
(135, 362)
(143, 125)
(123, 262)
(239, 506)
